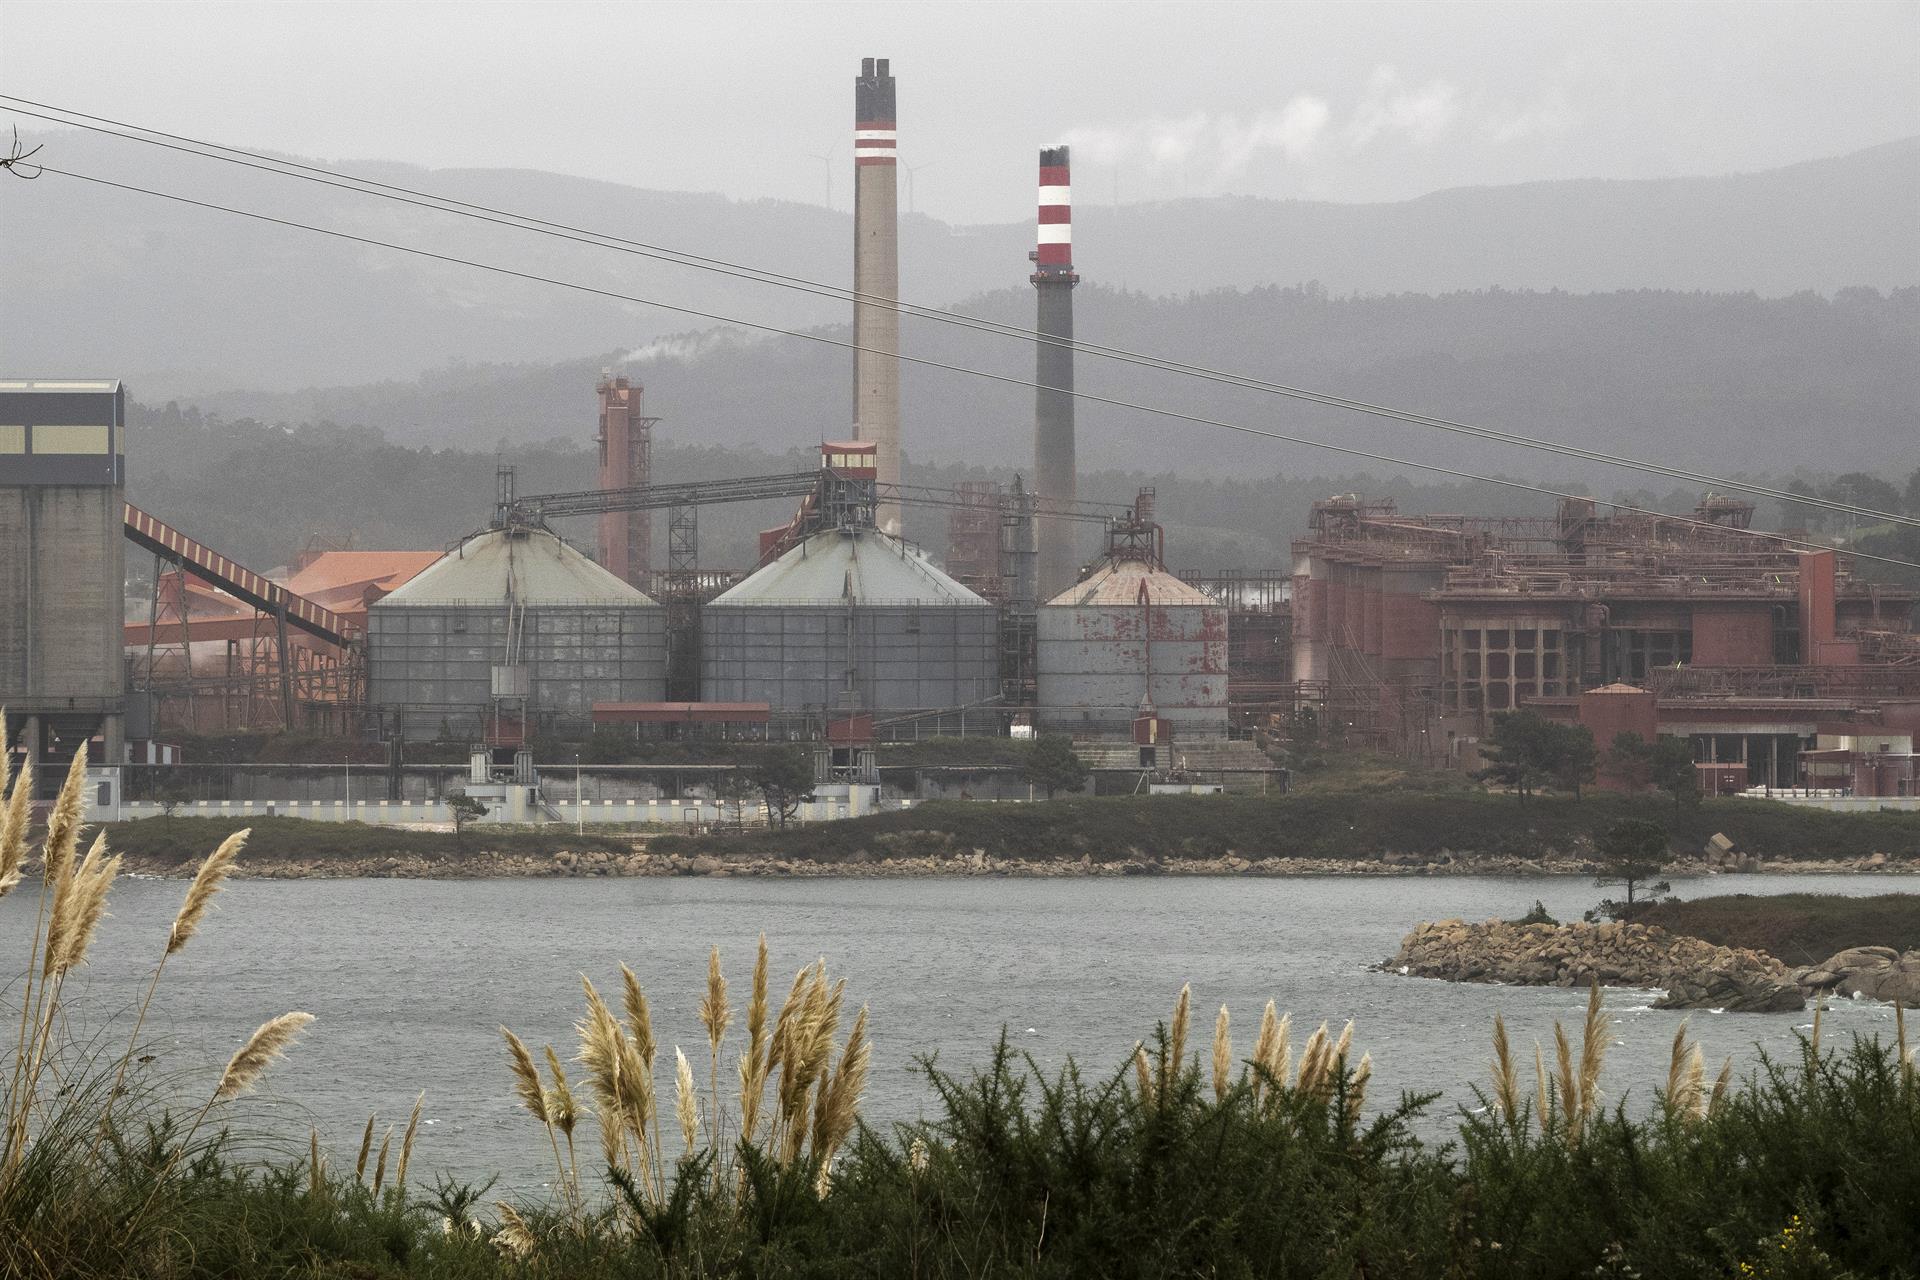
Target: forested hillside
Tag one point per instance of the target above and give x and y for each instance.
(1716, 382)
(260, 492)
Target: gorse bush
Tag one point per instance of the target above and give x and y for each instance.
(1220, 1155)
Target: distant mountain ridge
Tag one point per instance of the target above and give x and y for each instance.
(184, 302)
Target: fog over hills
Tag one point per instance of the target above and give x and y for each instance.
(185, 302)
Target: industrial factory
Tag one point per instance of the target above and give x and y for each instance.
(1039, 613)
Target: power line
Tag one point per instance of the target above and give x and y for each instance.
(824, 340)
(721, 266)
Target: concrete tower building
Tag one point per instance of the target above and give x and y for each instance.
(626, 460)
(1053, 461)
(63, 569)
(876, 275)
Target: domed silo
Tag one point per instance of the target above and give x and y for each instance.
(518, 619)
(850, 619)
(1130, 636)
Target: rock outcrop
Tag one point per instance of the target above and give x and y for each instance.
(1693, 973)
(1875, 973)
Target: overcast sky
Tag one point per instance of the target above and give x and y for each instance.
(1347, 101)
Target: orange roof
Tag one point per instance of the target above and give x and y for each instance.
(339, 570)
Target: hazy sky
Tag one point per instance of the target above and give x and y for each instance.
(1340, 101)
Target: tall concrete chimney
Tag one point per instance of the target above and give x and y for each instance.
(1053, 465)
(626, 461)
(876, 274)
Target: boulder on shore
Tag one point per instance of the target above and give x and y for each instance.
(1875, 973)
(1694, 974)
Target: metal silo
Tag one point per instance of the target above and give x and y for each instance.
(511, 623)
(1128, 641)
(850, 619)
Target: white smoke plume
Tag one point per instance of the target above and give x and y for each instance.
(687, 346)
(1220, 145)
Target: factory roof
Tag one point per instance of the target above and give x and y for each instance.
(1118, 582)
(332, 570)
(530, 565)
(861, 565)
(60, 386)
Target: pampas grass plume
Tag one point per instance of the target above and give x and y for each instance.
(715, 1015)
(1569, 1086)
(316, 1170)
(85, 903)
(366, 1146)
(380, 1165)
(13, 818)
(1312, 1061)
(1263, 1044)
(206, 883)
(844, 1090)
(261, 1049)
(1721, 1083)
(1543, 1097)
(515, 1237)
(1222, 1055)
(1280, 1053)
(526, 1078)
(1593, 1050)
(1177, 1053)
(1357, 1089)
(686, 1106)
(639, 1018)
(406, 1145)
(1506, 1081)
(562, 1110)
(62, 844)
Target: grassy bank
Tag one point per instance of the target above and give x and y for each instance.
(1320, 825)
(1799, 928)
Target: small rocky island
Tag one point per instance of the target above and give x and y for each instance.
(1693, 973)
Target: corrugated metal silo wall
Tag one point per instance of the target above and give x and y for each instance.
(1092, 666)
(905, 657)
(436, 662)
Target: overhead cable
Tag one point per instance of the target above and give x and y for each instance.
(1005, 379)
(721, 266)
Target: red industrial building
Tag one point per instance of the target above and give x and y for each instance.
(1414, 631)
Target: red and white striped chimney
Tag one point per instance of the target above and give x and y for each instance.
(1055, 471)
(1055, 250)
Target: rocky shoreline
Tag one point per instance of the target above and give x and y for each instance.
(483, 864)
(1693, 973)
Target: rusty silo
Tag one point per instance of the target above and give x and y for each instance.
(1130, 642)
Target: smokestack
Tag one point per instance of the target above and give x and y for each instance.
(1053, 281)
(626, 461)
(876, 274)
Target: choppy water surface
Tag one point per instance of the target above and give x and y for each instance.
(410, 979)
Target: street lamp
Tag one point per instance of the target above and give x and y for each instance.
(579, 813)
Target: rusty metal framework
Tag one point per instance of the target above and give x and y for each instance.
(1611, 580)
